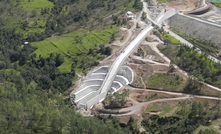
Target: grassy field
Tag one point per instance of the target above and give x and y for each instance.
(154, 96)
(167, 109)
(36, 4)
(146, 96)
(36, 21)
(72, 43)
(30, 11)
(218, 4)
(25, 11)
(171, 39)
(166, 82)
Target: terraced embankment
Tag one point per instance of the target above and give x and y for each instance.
(88, 93)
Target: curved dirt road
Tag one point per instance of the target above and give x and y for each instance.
(138, 107)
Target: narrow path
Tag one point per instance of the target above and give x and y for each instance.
(144, 85)
(153, 46)
(149, 61)
(146, 10)
(137, 107)
(157, 91)
(174, 93)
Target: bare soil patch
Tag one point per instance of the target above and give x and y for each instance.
(185, 5)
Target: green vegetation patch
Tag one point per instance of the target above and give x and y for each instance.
(218, 4)
(36, 4)
(170, 39)
(170, 52)
(199, 65)
(181, 117)
(196, 64)
(155, 96)
(206, 130)
(27, 16)
(10, 72)
(163, 109)
(116, 100)
(144, 97)
(206, 47)
(165, 81)
(73, 43)
(45, 115)
(163, 1)
(138, 5)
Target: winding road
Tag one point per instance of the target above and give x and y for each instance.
(138, 107)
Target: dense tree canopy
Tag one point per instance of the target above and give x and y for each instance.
(199, 65)
(33, 93)
(185, 121)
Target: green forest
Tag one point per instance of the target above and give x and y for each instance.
(34, 84)
(45, 44)
(185, 120)
(198, 65)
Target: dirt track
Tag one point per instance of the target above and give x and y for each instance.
(137, 108)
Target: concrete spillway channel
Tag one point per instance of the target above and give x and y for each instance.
(105, 79)
(90, 88)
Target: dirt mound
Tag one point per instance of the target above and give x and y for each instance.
(185, 5)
